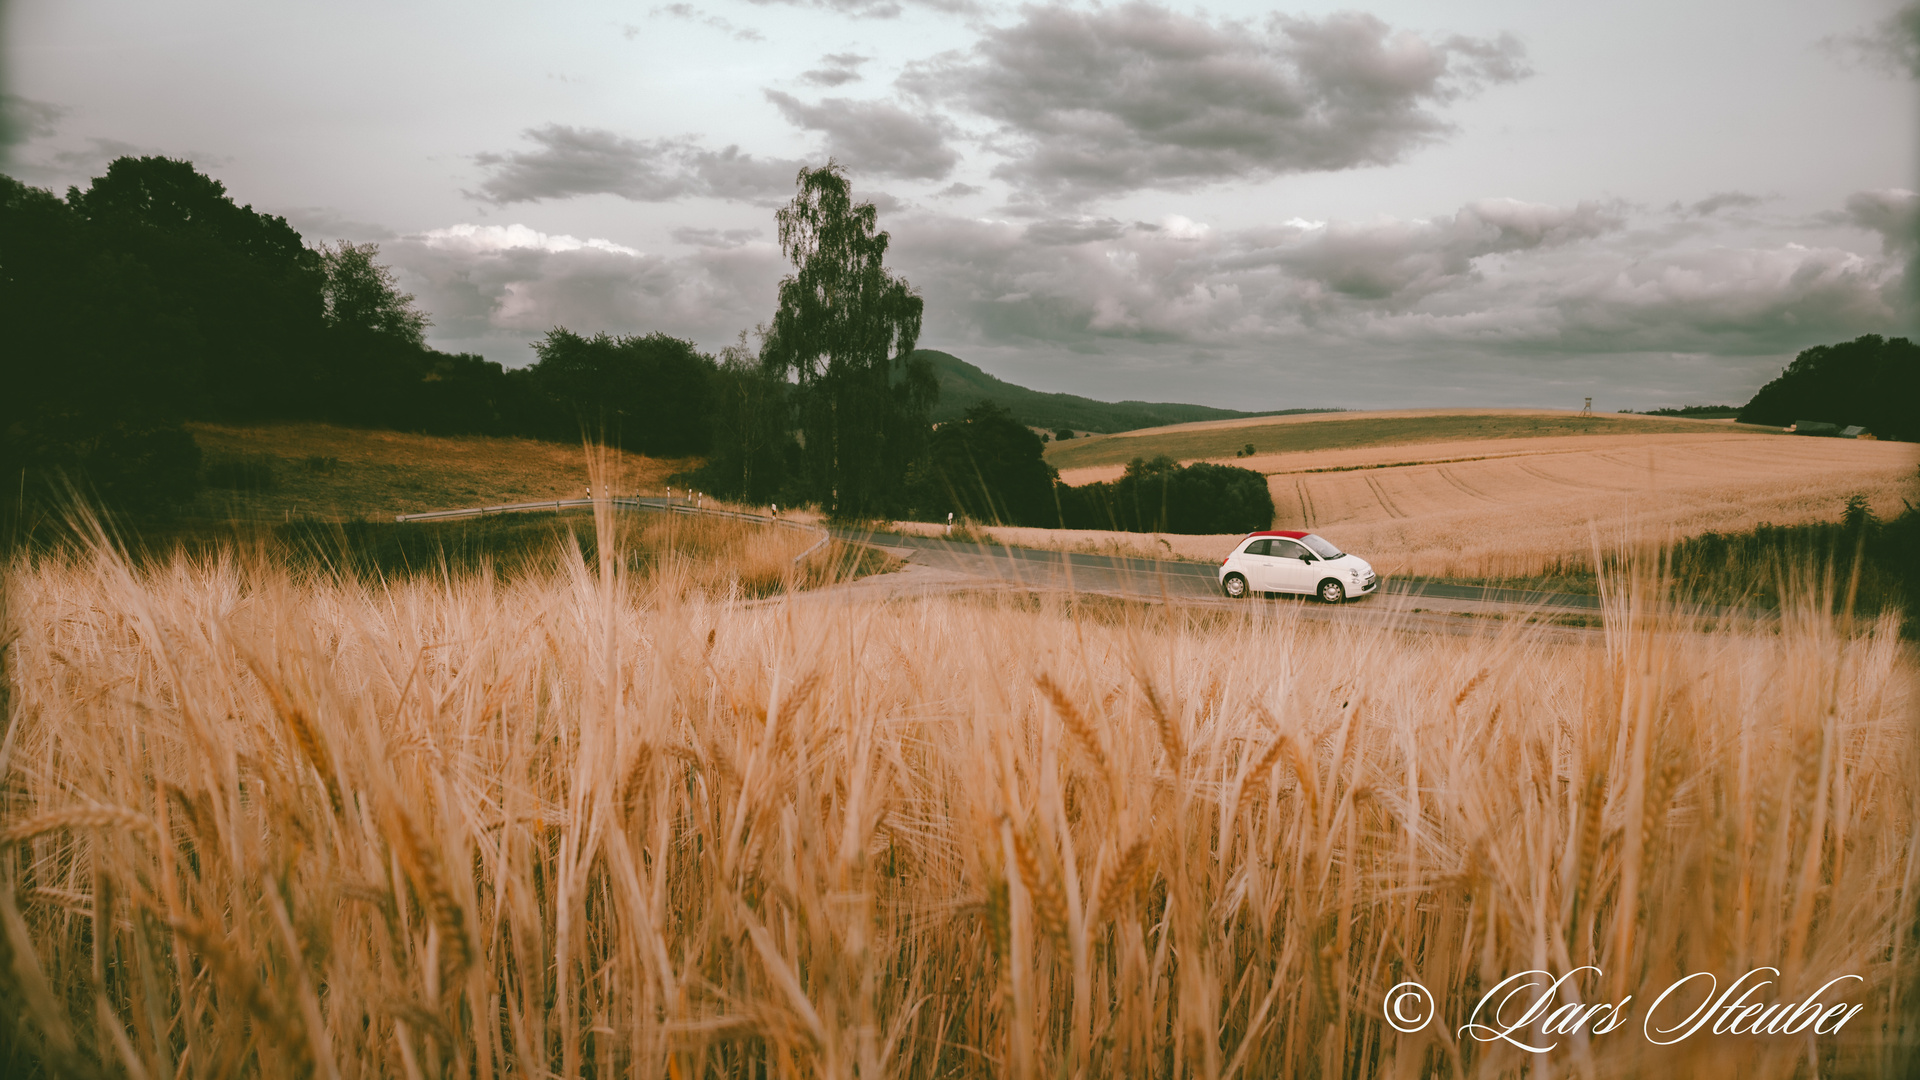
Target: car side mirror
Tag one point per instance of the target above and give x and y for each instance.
(1308, 557)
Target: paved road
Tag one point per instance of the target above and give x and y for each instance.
(1039, 569)
(939, 563)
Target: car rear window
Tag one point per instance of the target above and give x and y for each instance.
(1258, 547)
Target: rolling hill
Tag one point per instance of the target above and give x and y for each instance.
(962, 386)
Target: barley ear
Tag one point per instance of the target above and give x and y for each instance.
(1123, 881)
(1072, 719)
(1167, 726)
(447, 914)
(1049, 907)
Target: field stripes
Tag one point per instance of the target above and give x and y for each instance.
(1463, 487)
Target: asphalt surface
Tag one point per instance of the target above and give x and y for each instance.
(937, 563)
(1034, 568)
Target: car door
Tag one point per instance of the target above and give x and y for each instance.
(1258, 566)
(1290, 568)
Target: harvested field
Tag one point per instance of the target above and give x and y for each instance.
(329, 472)
(1272, 436)
(1519, 508)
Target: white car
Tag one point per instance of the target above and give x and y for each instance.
(1284, 561)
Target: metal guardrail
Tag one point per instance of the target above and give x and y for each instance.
(671, 506)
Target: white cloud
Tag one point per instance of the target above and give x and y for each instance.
(481, 239)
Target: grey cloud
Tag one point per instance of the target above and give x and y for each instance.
(957, 190)
(715, 238)
(875, 137)
(583, 161)
(693, 14)
(1721, 200)
(327, 223)
(572, 161)
(864, 9)
(1066, 231)
(880, 9)
(836, 69)
(1893, 213)
(1111, 100)
(77, 164)
(1727, 300)
(1401, 260)
(1891, 45)
(1501, 279)
(730, 174)
(495, 297)
(24, 118)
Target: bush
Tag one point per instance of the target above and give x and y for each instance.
(988, 467)
(1881, 557)
(1163, 496)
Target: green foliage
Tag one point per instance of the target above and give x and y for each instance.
(1870, 381)
(751, 447)
(361, 297)
(1160, 495)
(1881, 560)
(1697, 412)
(989, 467)
(152, 298)
(843, 333)
(653, 394)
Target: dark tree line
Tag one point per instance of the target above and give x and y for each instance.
(152, 298)
(1870, 381)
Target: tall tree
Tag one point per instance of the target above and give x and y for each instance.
(361, 296)
(843, 333)
(750, 438)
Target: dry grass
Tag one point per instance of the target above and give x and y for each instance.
(329, 472)
(571, 825)
(1221, 440)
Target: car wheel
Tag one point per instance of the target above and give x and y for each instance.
(1332, 592)
(1235, 586)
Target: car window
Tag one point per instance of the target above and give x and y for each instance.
(1320, 546)
(1258, 547)
(1287, 549)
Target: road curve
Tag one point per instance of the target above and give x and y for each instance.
(940, 564)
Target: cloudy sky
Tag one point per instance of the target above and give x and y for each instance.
(1654, 202)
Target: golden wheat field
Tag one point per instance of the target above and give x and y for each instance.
(584, 823)
(1522, 507)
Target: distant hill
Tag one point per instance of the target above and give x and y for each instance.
(962, 386)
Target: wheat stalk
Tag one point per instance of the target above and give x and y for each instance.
(81, 817)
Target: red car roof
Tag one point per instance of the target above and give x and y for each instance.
(1291, 534)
